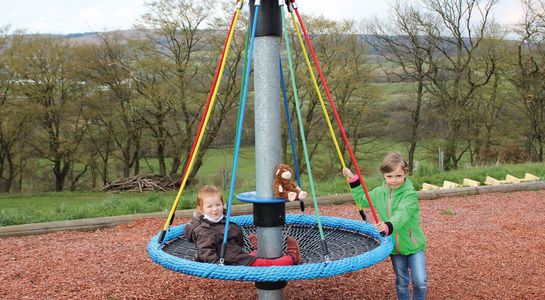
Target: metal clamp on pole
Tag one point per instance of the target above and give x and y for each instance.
(363, 216)
(222, 253)
(292, 5)
(326, 251)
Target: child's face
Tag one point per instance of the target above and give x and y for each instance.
(396, 178)
(212, 206)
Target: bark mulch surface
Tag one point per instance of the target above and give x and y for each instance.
(489, 246)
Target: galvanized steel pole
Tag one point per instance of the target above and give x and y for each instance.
(268, 218)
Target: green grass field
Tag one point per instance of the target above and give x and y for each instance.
(45, 207)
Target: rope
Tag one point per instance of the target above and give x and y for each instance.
(205, 118)
(288, 120)
(290, 130)
(334, 109)
(239, 131)
(301, 129)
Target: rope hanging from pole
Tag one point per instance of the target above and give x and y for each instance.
(290, 131)
(302, 134)
(239, 131)
(205, 118)
(294, 8)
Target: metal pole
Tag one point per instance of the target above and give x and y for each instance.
(441, 160)
(268, 218)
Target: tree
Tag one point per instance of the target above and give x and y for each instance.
(491, 100)
(400, 40)
(174, 71)
(117, 124)
(13, 120)
(166, 66)
(454, 77)
(341, 54)
(48, 78)
(529, 77)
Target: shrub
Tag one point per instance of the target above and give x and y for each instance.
(512, 154)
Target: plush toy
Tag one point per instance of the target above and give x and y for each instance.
(284, 187)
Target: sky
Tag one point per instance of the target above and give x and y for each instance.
(65, 16)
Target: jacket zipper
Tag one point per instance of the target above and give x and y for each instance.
(390, 216)
(412, 237)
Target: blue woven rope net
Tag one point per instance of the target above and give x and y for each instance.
(352, 245)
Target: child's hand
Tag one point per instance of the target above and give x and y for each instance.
(381, 226)
(347, 173)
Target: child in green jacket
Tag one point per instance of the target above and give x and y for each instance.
(396, 202)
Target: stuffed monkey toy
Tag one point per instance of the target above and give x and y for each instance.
(284, 187)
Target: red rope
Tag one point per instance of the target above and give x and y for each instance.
(209, 99)
(334, 109)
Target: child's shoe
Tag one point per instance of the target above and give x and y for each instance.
(293, 250)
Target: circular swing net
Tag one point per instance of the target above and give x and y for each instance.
(347, 245)
(352, 245)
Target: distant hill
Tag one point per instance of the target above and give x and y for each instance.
(79, 35)
(92, 37)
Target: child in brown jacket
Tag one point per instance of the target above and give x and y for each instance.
(206, 230)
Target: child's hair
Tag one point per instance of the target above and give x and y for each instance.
(392, 161)
(208, 190)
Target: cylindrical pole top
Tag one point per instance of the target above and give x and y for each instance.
(269, 22)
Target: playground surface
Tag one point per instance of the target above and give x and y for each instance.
(488, 246)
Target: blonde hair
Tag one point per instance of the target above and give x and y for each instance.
(206, 191)
(392, 161)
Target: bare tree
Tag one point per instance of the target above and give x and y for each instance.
(167, 64)
(229, 91)
(342, 56)
(489, 109)
(118, 118)
(454, 77)
(400, 40)
(529, 78)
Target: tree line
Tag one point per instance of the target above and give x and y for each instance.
(78, 115)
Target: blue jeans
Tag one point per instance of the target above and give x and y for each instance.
(416, 263)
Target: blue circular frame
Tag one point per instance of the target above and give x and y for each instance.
(277, 273)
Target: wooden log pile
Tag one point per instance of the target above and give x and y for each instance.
(142, 183)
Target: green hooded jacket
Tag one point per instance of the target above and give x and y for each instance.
(400, 208)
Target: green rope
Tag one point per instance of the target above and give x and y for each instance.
(301, 129)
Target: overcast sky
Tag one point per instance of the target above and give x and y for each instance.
(65, 16)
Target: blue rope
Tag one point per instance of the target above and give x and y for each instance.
(239, 132)
(288, 119)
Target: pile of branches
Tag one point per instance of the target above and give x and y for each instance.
(142, 183)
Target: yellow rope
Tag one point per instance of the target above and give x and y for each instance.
(199, 140)
(322, 103)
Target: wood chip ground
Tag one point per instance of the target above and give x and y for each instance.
(488, 246)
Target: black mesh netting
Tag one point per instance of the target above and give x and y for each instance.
(341, 243)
